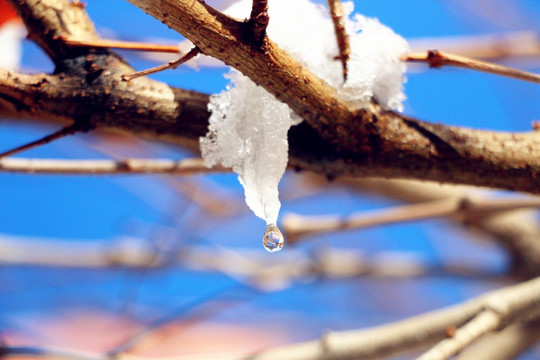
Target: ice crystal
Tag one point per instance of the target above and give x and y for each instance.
(248, 125)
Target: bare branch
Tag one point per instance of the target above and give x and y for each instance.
(108, 167)
(437, 59)
(517, 231)
(366, 138)
(125, 45)
(58, 20)
(480, 325)
(297, 226)
(336, 140)
(258, 20)
(489, 46)
(512, 304)
(336, 10)
(68, 130)
(171, 65)
(506, 344)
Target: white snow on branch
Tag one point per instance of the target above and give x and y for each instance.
(248, 125)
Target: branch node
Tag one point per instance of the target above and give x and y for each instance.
(435, 59)
(78, 4)
(258, 21)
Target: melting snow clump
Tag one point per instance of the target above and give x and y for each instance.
(248, 125)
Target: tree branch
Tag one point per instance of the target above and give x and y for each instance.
(107, 167)
(437, 59)
(125, 45)
(258, 20)
(512, 305)
(170, 65)
(517, 231)
(297, 226)
(337, 139)
(505, 344)
(489, 46)
(336, 10)
(483, 323)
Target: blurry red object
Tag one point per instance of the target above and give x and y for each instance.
(6, 12)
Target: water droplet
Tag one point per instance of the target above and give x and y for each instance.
(273, 240)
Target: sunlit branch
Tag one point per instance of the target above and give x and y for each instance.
(296, 226)
(488, 46)
(511, 46)
(171, 65)
(511, 305)
(125, 45)
(483, 323)
(336, 10)
(259, 20)
(507, 160)
(518, 231)
(106, 167)
(437, 59)
(508, 343)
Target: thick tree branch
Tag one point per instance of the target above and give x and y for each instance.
(336, 140)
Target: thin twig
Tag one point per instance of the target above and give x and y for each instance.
(437, 59)
(336, 10)
(107, 167)
(126, 45)
(170, 65)
(68, 130)
(259, 20)
(296, 226)
(487, 46)
(483, 323)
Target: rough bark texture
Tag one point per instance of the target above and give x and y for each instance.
(336, 138)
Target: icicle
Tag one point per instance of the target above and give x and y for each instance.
(248, 125)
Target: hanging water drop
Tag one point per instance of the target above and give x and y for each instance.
(273, 240)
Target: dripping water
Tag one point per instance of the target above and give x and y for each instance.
(273, 240)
